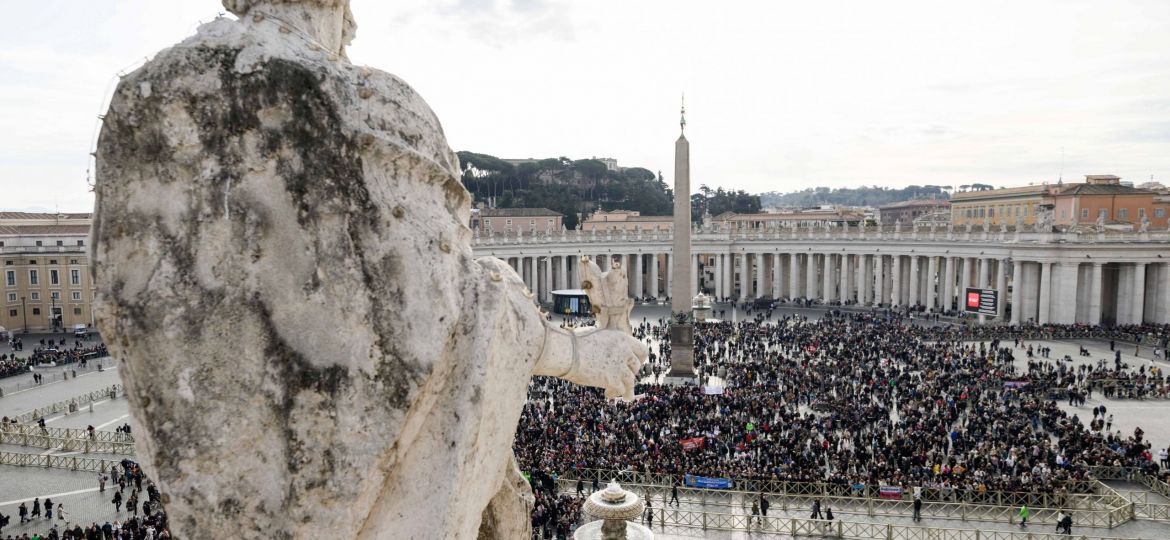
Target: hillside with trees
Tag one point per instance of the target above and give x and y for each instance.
(565, 185)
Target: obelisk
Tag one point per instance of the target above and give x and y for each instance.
(682, 360)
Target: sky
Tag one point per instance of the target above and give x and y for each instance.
(780, 95)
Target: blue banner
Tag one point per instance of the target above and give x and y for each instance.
(705, 482)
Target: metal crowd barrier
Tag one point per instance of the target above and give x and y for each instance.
(798, 527)
(1094, 511)
(83, 443)
(71, 405)
(72, 463)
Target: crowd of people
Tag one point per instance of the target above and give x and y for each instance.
(50, 351)
(127, 476)
(862, 398)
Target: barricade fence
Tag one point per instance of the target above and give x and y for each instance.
(71, 405)
(66, 433)
(1099, 515)
(839, 528)
(72, 463)
(83, 444)
(1082, 494)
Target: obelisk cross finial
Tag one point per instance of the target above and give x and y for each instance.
(682, 115)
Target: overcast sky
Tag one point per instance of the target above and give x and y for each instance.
(780, 95)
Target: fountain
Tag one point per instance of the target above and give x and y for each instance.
(614, 506)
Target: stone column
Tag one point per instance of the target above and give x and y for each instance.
(896, 276)
(810, 279)
(964, 282)
(915, 279)
(742, 260)
(1139, 293)
(1018, 292)
(1163, 299)
(879, 279)
(931, 283)
(1001, 289)
(846, 275)
(864, 279)
(1045, 292)
(759, 288)
(1095, 282)
(639, 277)
(654, 288)
(548, 279)
(719, 277)
(794, 276)
(827, 278)
(948, 284)
(777, 284)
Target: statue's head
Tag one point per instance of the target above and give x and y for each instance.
(329, 22)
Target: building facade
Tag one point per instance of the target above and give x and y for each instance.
(1109, 277)
(44, 264)
(1100, 196)
(516, 220)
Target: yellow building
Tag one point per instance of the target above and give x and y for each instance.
(998, 205)
(44, 271)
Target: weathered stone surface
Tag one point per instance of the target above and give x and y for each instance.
(285, 272)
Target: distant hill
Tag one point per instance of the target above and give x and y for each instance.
(862, 196)
(565, 185)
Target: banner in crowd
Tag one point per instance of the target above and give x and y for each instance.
(713, 390)
(693, 443)
(1014, 384)
(890, 492)
(705, 482)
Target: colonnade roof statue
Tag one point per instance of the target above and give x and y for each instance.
(252, 183)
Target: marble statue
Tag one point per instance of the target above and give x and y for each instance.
(1100, 223)
(284, 270)
(608, 293)
(1144, 224)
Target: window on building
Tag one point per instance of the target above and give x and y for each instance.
(72, 261)
(1, 244)
(33, 278)
(508, 222)
(34, 295)
(1084, 213)
(1160, 212)
(77, 311)
(81, 242)
(55, 295)
(36, 311)
(38, 243)
(10, 278)
(1104, 212)
(32, 261)
(1141, 213)
(52, 261)
(1123, 213)
(60, 242)
(54, 277)
(12, 313)
(75, 277)
(11, 297)
(76, 296)
(8, 263)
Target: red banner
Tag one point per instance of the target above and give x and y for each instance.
(691, 444)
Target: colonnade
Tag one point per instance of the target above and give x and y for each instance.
(1092, 282)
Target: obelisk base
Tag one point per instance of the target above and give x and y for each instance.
(682, 351)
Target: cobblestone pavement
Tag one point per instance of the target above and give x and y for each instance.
(78, 491)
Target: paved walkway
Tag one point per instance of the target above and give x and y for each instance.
(78, 491)
(21, 401)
